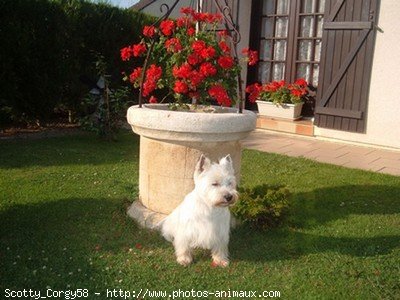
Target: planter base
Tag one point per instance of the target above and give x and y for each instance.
(145, 217)
(166, 169)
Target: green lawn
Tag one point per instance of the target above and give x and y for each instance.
(63, 226)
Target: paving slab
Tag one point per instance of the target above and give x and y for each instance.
(337, 153)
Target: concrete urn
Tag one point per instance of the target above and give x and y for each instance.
(171, 143)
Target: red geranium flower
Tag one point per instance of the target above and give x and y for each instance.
(183, 22)
(301, 82)
(196, 78)
(191, 31)
(218, 92)
(148, 87)
(298, 89)
(223, 33)
(138, 49)
(208, 52)
(226, 62)
(212, 18)
(296, 92)
(153, 99)
(200, 17)
(154, 72)
(181, 87)
(126, 53)
(149, 31)
(274, 86)
(251, 55)
(207, 69)
(224, 47)
(135, 74)
(198, 46)
(173, 45)
(167, 27)
(193, 59)
(183, 71)
(207, 17)
(280, 83)
(187, 10)
(253, 91)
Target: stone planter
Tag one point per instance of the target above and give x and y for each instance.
(285, 111)
(171, 142)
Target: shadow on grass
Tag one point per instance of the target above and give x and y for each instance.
(315, 211)
(322, 206)
(72, 241)
(80, 149)
(68, 242)
(286, 244)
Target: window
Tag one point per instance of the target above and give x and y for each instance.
(289, 39)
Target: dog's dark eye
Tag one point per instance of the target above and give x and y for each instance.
(215, 184)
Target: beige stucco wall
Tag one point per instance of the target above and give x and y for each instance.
(383, 118)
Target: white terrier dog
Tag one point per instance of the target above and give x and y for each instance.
(203, 219)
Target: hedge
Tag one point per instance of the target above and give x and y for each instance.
(47, 47)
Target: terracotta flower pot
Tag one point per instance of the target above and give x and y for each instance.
(171, 143)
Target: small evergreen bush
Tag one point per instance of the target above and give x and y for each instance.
(262, 206)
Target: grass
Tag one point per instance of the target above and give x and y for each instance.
(63, 226)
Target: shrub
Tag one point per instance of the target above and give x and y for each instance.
(31, 57)
(47, 45)
(263, 206)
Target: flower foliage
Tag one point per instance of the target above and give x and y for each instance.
(279, 92)
(186, 63)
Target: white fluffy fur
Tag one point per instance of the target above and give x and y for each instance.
(202, 220)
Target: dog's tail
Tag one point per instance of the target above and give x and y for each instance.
(158, 226)
(164, 227)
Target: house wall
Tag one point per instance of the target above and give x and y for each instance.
(383, 116)
(244, 28)
(154, 8)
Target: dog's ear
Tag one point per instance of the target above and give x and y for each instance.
(202, 165)
(226, 162)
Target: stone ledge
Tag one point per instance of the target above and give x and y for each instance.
(144, 216)
(156, 121)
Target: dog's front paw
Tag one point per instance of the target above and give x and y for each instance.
(220, 263)
(184, 260)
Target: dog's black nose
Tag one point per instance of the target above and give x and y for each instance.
(228, 197)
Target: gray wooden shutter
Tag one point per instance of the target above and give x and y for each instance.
(346, 61)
